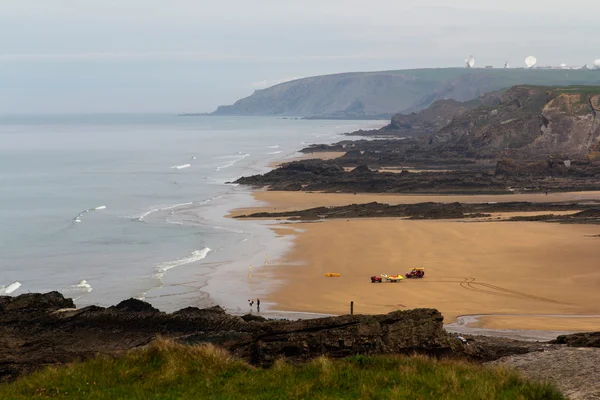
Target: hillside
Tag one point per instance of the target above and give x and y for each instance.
(384, 93)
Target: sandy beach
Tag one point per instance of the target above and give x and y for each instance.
(512, 268)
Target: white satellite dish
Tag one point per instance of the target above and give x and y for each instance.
(597, 63)
(506, 65)
(530, 61)
(470, 62)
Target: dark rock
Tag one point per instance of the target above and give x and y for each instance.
(361, 169)
(588, 339)
(252, 317)
(35, 301)
(32, 340)
(443, 211)
(135, 305)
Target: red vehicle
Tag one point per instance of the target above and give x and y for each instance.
(386, 278)
(415, 273)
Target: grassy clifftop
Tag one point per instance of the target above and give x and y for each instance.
(166, 370)
(364, 94)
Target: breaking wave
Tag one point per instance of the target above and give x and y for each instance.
(8, 289)
(273, 147)
(274, 152)
(83, 286)
(145, 214)
(81, 214)
(229, 164)
(195, 256)
(183, 166)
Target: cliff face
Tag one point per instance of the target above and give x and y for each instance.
(375, 94)
(528, 123)
(428, 121)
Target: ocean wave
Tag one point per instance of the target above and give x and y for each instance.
(274, 152)
(181, 166)
(82, 286)
(231, 163)
(195, 256)
(273, 147)
(8, 289)
(81, 214)
(141, 218)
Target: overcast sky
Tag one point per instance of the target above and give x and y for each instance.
(94, 56)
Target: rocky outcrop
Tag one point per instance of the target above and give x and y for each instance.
(317, 175)
(422, 123)
(36, 330)
(373, 94)
(576, 372)
(431, 210)
(530, 122)
(587, 339)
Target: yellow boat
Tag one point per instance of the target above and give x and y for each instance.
(332, 275)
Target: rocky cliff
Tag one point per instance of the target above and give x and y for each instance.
(384, 93)
(44, 329)
(529, 122)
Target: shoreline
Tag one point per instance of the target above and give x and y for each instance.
(298, 291)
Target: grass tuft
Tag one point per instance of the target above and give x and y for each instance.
(167, 370)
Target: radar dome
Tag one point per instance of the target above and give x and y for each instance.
(470, 62)
(530, 61)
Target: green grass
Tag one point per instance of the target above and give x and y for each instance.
(166, 370)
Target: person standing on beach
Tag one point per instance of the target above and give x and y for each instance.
(258, 305)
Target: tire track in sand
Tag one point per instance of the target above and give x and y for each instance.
(487, 288)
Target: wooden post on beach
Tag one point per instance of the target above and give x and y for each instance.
(351, 308)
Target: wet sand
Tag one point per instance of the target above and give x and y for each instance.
(531, 322)
(471, 267)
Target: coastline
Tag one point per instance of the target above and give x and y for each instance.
(513, 267)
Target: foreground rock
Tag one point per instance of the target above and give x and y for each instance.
(37, 330)
(576, 372)
(587, 339)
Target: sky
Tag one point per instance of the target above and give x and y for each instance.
(156, 56)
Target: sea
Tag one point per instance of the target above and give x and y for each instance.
(103, 208)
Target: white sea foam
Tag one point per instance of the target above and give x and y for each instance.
(274, 152)
(183, 166)
(195, 256)
(273, 147)
(142, 217)
(231, 163)
(80, 215)
(82, 286)
(8, 289)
